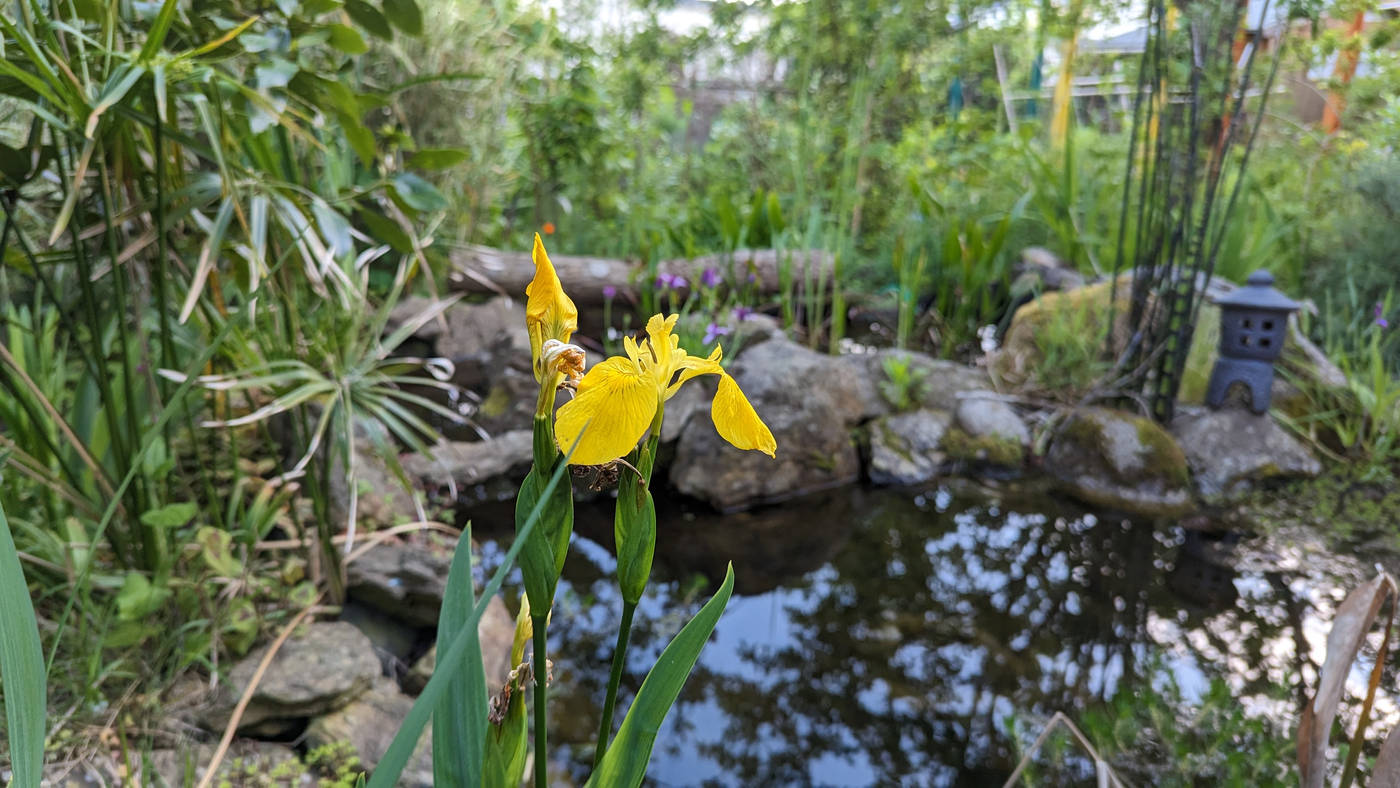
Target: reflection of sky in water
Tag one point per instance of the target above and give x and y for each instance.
(901, 658)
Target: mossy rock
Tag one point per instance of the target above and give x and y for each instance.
(1022, 357)
(1121, 461)
(993, 449)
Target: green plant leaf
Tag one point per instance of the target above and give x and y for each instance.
(405, 15)
(139, 598)
(347, 39)
(369, 17)
(451, 659)
(21, 666)
(459, 721)
(418, 194)
(215, 545)
(171, 515)
(437, 158)
(625, 763)
(155, 37)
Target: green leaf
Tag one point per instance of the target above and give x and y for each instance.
(171, 515)
(386, 230)
(451, 659)
(21, 666)
(139, 598)
(361, 139)
(625, 763)
(459, 721)
(347, 39)
(369, 17)
(437, 158)
(405, 15)
(216, 550)
(508, 745)
(418, 194)
(155, 37)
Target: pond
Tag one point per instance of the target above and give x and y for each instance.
(891, 636)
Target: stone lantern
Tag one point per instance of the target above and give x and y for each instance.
(1253, 326)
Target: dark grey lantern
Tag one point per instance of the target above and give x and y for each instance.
(1253, 326)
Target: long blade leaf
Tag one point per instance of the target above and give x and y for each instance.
(459, 721)
(21, 666)
(625, 763)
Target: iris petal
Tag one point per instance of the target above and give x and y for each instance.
(612, 410)
(549, 313)
(736, 420)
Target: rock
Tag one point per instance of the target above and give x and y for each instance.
(904, 447)
(981, 415)
(321, 669)
(248, 762)
(1022, 351)
(481, 471)
(1120, 461)
(368, 724)
(403, 580)
(383, 500)
(692, 401)
(1232, 448)
(396, 640)
(808, 400)
(496, 631)
(1048, 271)
(931, 383)
(490, 351)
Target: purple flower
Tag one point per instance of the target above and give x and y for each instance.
(741, 313)
(1380, 317)
(711, 277)
(714, 331)
(671, 281)
(609, 292)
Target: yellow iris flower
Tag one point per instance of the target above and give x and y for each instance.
(618, 399)
(549, 314)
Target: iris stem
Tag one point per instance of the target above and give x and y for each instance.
(541, 624)
(624, 634)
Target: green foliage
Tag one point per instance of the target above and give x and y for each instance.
(459, 729)
(21, 667)
(904, 383)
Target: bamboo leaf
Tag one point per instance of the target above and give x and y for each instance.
(459, 721)
(207, 257)
(625, 763)
(155, 37)
(118, 85)
(21, 666)
(65, 214)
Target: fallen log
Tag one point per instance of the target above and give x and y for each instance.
(483, 269)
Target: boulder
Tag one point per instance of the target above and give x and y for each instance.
(324, 667)
(808, 400)
(981, 414)
(1071, 314)
(930, 382)
(496, 632)
(480, 471)
(1120, 461)
(1231, 449)
(404, 580)
(368, 724)
(904, 447)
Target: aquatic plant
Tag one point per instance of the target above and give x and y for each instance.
(481, 741)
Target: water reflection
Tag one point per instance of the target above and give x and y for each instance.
(877, 637)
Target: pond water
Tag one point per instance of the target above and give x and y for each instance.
(888, 637)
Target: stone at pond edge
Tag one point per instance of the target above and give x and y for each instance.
(981, 415)
(808, 399)
(369, 724)
(904, 448)
(934, 383)
(316, 671)
(483, 471)
(1120, 461)
(404, 580)
(1231, 449)
(496, 633)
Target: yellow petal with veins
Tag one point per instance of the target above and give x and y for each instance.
(612, 410)
(736, 420)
